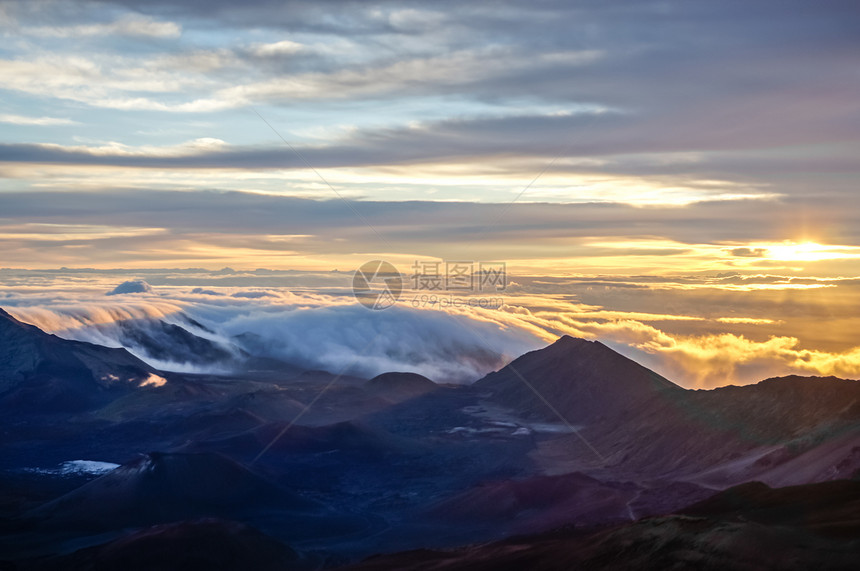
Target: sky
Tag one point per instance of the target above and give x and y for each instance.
(678, 178)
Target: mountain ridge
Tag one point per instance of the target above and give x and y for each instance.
(784, 430)
(38, 368)
(584, 380)
(390, 449)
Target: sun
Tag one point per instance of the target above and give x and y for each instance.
(799, 252)
(809, 252)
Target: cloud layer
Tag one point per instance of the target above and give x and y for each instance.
(314, 323)
(308, 331)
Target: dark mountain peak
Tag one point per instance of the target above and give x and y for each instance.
(567, 351)
(807, 392)
(9, 323)
(798, 380)
(45, 372)
(756, 501)
(583, 379)
(400, 378)
(778, 407)
(190, 473)
(801, 393)
(567, 341)
(161, 487)
(567, 346)
(400, 386)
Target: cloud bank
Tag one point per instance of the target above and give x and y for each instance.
(314, 323)
(310, 332)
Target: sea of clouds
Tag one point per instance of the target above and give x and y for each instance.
(700, 332)
(310, 330)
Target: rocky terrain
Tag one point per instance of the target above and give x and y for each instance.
(569, 455)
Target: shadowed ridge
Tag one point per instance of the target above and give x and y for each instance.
(6, 320)
(584, 380)
(161, 487)
(43, 372)
(752, 526)
(828, 508)
(400, 386)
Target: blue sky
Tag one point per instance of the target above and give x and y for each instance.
(645, 103)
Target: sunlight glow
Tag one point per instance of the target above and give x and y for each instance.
(810, 252)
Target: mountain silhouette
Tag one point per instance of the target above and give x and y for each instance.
(814, 526)
(398, 387)
(789, 430)
(583, 380)
(163, 487)
(45, 372)
(571, 434)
